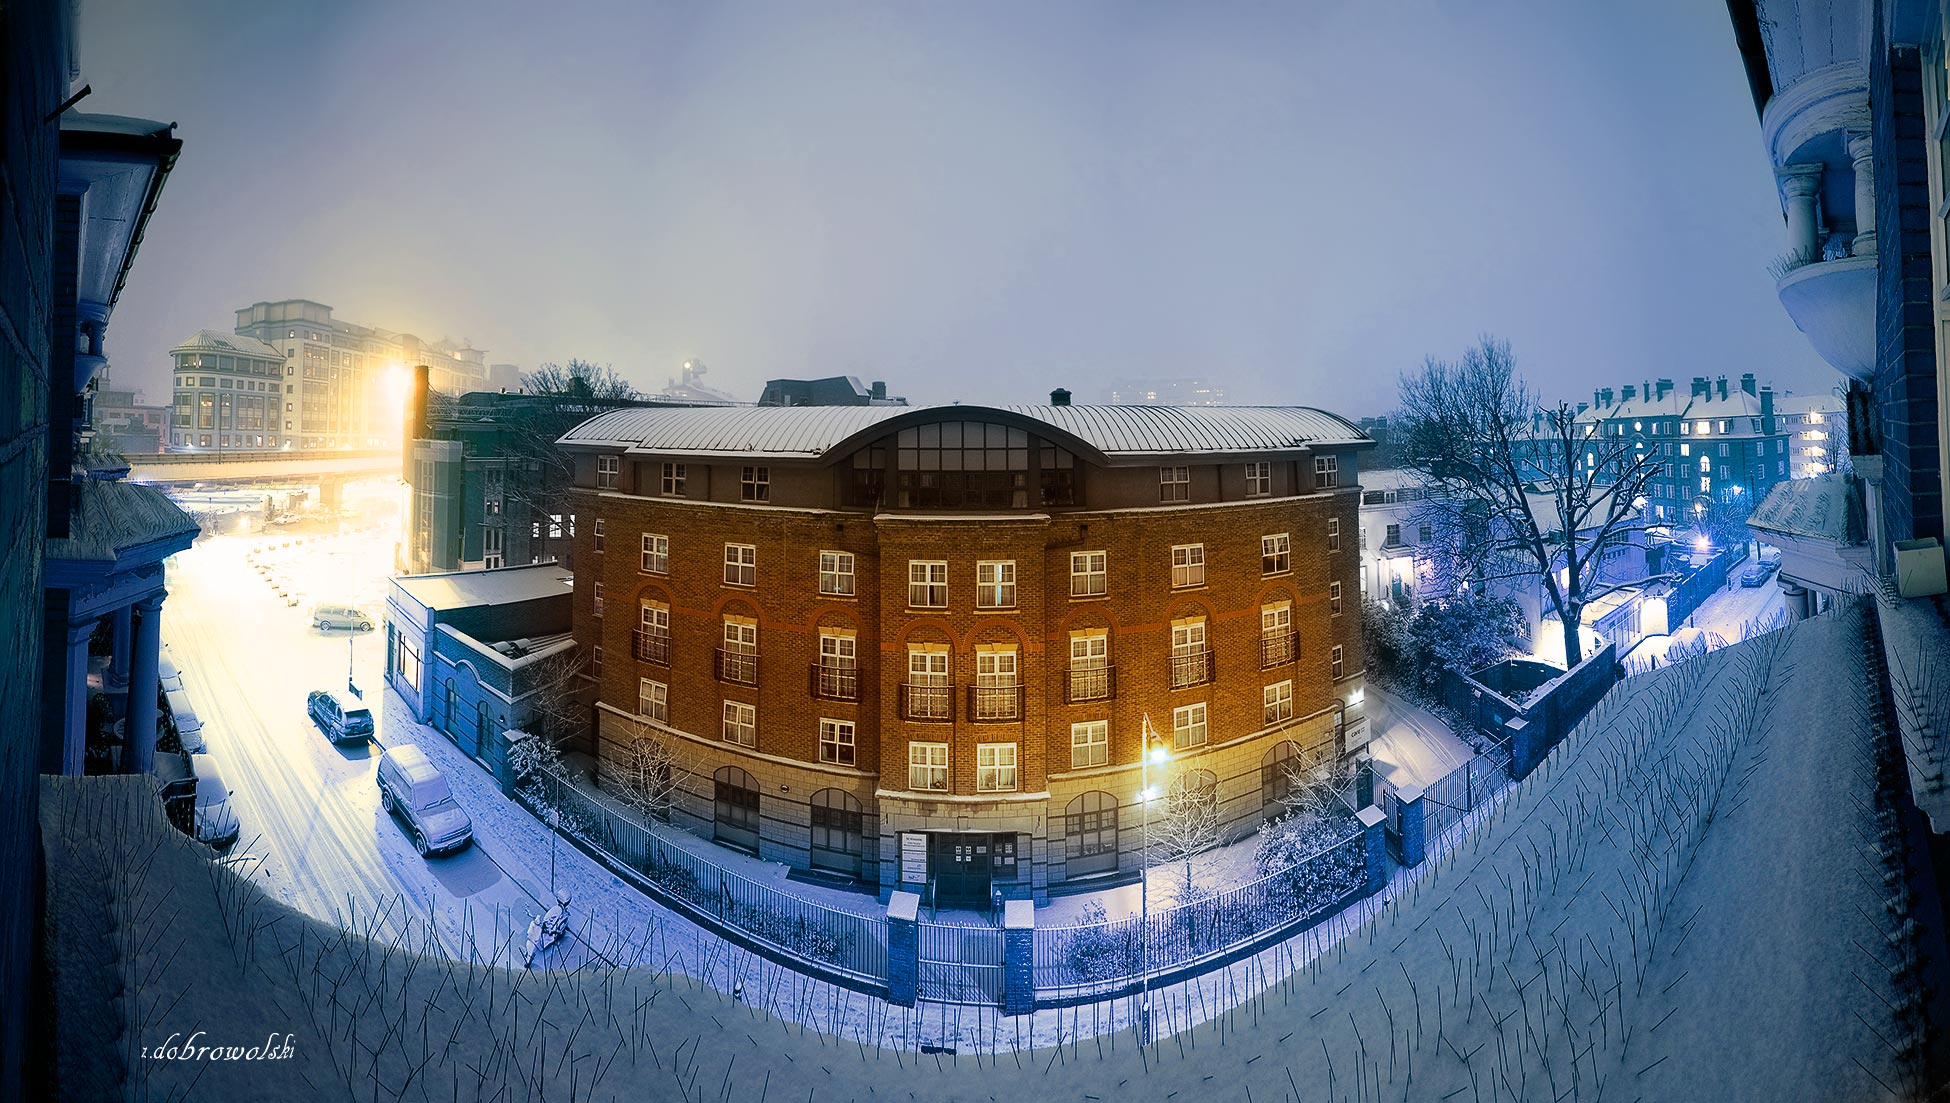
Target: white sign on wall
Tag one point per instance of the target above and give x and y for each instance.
(914, 858)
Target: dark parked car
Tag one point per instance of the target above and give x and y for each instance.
(1755, 575)
(342, 717)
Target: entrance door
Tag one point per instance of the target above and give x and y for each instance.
(961, 865)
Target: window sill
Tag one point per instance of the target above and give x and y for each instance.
(1192, 588)
(839, 597)
(1276, 574)
(997, 609)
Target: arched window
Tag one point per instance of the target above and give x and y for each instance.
(1090, 829)
(1276, 771)
(1201, 786)
(838, 832)
(734, 808)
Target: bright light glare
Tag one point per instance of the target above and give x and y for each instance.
(1160, 755)
(1358, 696)
(1702, 543)
(1149, 794)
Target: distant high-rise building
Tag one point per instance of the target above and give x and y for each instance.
(1166, 392)
(337, 384)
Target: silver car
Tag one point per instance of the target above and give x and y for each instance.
(413, 789)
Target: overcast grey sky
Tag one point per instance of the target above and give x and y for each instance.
(973, 201)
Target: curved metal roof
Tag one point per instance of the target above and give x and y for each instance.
(227, 342)
(814, 431)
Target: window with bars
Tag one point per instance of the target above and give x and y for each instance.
(741, 565)
(995, 584)
(927, 767)
(738, 657)
(1089, 575)
(1259, 479)
(927, 583)
(755, 484)
(836, 742)
(1089, 666)
(656, 553)
(837, 677)
(1275, 553)
(1276, 638)
(673, 480)
(1089, 744)
(836, 573)
(1187, 566)
(927, 694)
(653, 633)
(998, 685)
(1174, 484)
(995, 767)
(1188, 726)
(1191, 661)
(741, 723)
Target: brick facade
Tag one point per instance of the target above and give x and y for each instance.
(1136, 614)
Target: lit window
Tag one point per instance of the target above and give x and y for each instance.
(1188, 726)
(1259, 479)
(740, 565)
(607, 468)
(741, 723)
(1088, 574)
(927, 583)
(927, 767)
(995, 584)
(673, 480)
(599, 534)
(1276, 702)
(1701, 428)
(995, 767)
(656, 553)
(1174, 484)
(1190, 662)
(596, 599)
(1705, 484)
(1326, 471)
(1333, 534)
(836, 742)
(1275, 553)
(755, 484)
(1089, 744)
(1335, 663)
(836, 573)
(1187, 565)
(1334, 598)
(1685, 428)
(1723, 425)
(653, 700)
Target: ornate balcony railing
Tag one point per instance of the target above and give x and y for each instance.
(995, 704)
(1191, 668)
(1089, 683)
(738, 667)
(650, 647)
(1278, 650)
(930, 703)
(835, 683)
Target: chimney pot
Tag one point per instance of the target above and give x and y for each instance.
(1059, 397)
(1665, 387)
(1747, 382)
(1631, 392)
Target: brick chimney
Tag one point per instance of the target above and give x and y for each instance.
(1631, 391)
(1702, 387)
(1766, 409)
(1747, 382)
(1607, 394)
(1665, 388)
(1723, 386)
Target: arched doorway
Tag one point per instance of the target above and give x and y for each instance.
(734, 809)
(1276, 772)
(1090, 831)
(838, 832)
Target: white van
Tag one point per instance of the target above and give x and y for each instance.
(340, 616)
(215, 823)
(415, 790)
(188, 727)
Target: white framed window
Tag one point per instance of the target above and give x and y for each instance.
(1275, 620)
(741, 635)
(1723, 449)
(1089, 744)
(596, 599)
(1334, 598)
(607, 469)
(995, 767)
(998, 683)
(741, 565)
(1276, 702)
(1327, 471)
(836, 741)
(927, 583)
(741, 723)
(599, 534)
(1189, 665)
(1174, 484)
(755, 484)
(1333, 534)
(927, 767)
(1706, 484)
(653, 700)
(1259, 479)
(995, 584)
(1188, 726)
(1275, 553)
(654, 618)
(673, 480)
(596, 659)
(1089, 574)
(1723, 425)
(836, 573)
(656, 553)
(1187, 565)
(1335, 666)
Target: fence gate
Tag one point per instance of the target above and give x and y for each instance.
(960, 964)
(1391, 807)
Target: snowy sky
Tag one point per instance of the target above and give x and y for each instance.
(972, 201)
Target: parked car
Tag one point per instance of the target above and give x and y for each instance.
(413, 789)
(1755, 575)
(170, 676)
(342, 717)
(188, 728)
(214, 822)
(340, 616)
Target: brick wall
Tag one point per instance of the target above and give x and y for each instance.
(33, 81)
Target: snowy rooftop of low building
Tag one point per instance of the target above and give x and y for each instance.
(1109, 431)
(500, 586)
(1820, 507)
(107, 519)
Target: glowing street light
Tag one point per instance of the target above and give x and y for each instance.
(1156, 751)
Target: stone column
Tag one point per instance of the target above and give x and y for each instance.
(1800, 187)
(139, 729)
(1526, 746)
(1018, 957)
(1414, 828)
(1861, 154)
(1374, 828)
(903, 948)
(67, 736)
(118, 653)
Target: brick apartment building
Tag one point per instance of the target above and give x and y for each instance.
(911, 645)
(1723, 447)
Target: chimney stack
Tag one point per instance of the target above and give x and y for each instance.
(1723, 386)
(1702, 387)
(1059, 397)
(1767, 410)
(1665, 388)
(879, 390)
(1631, 392)
(1747, 382)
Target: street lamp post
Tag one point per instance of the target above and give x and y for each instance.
(1153, 750)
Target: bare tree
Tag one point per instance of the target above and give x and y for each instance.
(650, 770)
(1187, 825)
(1315, 781)
(559, 697)
(538, 473)
(578, 379)
(1475, 431)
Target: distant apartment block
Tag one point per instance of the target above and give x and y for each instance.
(124, 424)
(1719, 444)
(1165, 392)
(1817, 428)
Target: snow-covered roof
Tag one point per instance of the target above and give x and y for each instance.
(214, 341)
(500, 586)
(1818, 507)
(1737, 403)
(1110, 431)
(1804, 403)
(110, 518)
(1391, 478)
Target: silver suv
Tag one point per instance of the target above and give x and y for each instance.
(342, 717)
